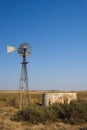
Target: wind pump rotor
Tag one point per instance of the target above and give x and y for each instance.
(24, 49)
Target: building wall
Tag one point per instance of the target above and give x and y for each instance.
(50, 98)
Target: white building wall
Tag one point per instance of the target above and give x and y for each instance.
(50, 98)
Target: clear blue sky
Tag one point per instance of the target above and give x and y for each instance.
(57, 31)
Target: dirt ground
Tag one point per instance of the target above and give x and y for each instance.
(6, 124)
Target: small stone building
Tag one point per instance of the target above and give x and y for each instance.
(50, 98)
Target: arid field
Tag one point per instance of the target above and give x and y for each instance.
(8, 108)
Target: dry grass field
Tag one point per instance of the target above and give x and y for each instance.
(7, 110)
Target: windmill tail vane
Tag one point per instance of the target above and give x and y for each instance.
(10, 49)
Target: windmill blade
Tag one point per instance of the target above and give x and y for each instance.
(10, 49)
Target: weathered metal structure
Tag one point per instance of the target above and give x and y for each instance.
(24, 50)
(50, 98)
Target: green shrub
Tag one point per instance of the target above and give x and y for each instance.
(35, 114)
(74, 113)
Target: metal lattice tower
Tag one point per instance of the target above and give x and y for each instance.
(24, 50)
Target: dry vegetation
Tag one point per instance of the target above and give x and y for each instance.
(8, 108)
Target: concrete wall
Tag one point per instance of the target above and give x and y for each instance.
(50, 98)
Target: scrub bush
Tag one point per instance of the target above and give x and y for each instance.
(73, 113)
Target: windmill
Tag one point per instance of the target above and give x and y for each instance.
(24, 50)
